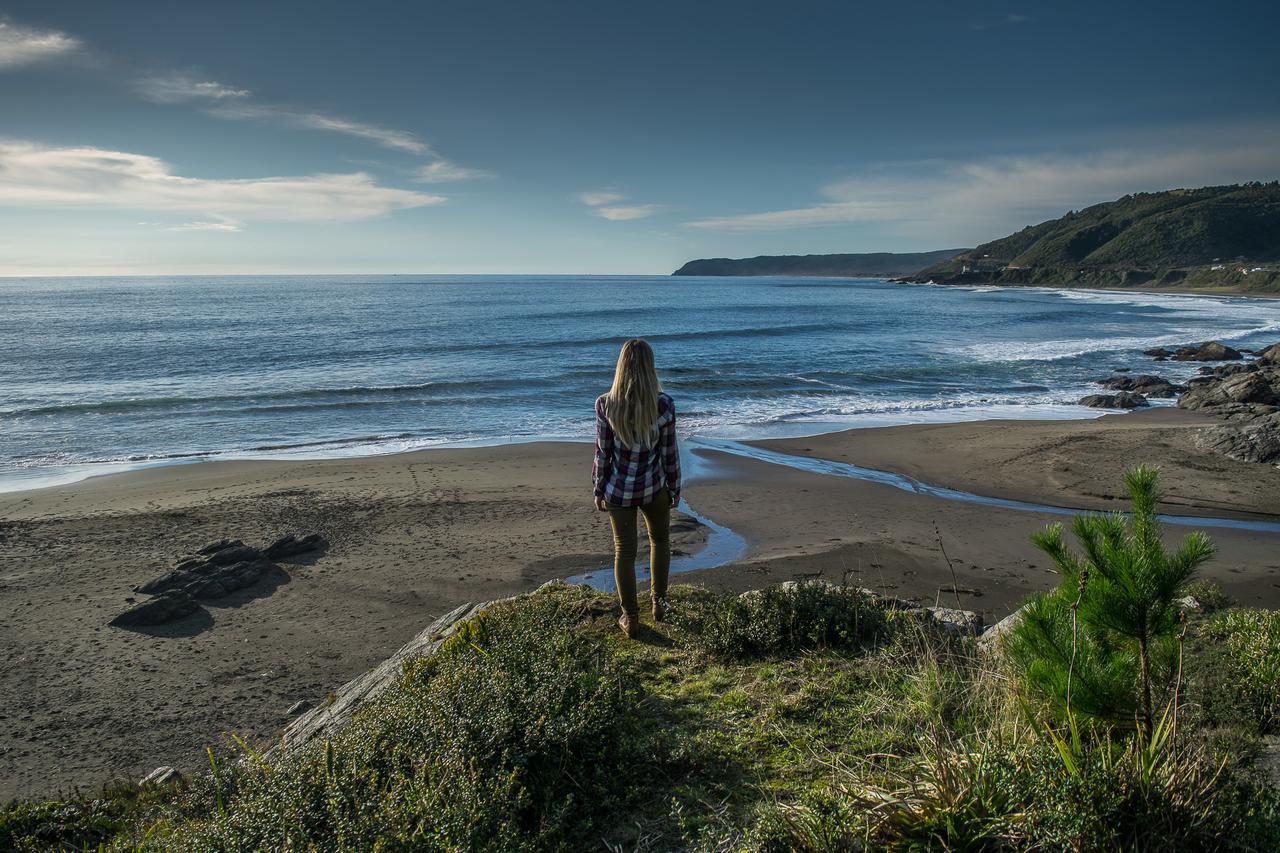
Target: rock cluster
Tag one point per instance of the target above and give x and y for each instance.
(1207, 351)
(1144, 384)
(214, 571)
(1244, 393)
(1247, 397)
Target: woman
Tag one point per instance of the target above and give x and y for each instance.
(637, 467)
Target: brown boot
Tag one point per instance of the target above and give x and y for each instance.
(659, 610)
(630, 624)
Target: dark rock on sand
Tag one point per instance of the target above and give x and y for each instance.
(219, 569)
(176, 579)
(220, 545)
(170, 605)
(291, 545)
(235, 554)
(1122, 400)
(1207, 351)
(221, 580)
(299, 707)
(1256, 440)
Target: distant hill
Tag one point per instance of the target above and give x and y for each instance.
(878, 264)
(1210, 237)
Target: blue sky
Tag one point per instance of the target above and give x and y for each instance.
(600, 137)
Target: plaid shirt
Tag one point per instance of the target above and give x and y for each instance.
(633, 476)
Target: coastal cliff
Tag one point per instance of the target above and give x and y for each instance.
(1225, 237)
(874, 264)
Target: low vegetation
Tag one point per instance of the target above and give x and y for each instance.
(1209, 237)
(801, 717)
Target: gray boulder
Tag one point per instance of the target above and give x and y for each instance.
(1207, 351)
(162, 776)
(1269, 355)
(963, 622)
(1122, 400)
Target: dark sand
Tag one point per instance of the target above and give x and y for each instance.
(413, 535)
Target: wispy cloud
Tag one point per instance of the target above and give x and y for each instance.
(595, 198)
(36, 175)
(238, 104)
(222, 225)
(604, 203)
(1007, 21)
(22, 46)
(180, 87)
(621, 213)
(974, 199)
(443, 171)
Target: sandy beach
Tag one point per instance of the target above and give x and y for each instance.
(413, 535)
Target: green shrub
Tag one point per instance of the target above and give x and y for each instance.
(777, 619)
(1103, 643)
(1251, 661)
(513, 739)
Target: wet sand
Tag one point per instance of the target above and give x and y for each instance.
(413, 535)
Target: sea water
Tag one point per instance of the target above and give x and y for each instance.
(103, 374)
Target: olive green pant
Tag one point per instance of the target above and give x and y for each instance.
(657, 518)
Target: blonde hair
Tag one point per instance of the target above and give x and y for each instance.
(631, 406)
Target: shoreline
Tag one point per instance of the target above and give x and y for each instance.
(1154, 291)
(415, 534)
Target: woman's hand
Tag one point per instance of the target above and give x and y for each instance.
(601, 505)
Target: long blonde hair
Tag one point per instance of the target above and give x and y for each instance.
(631, 405)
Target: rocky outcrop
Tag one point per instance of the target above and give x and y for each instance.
(1247, 397)
(1260, 387)
(1122, 400)
(214, 571)
(1254, 440)
(1224, 370)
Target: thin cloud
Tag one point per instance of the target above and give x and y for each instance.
(980, 199)
(237, 104)
(23, 46)
(443, 171)
(44, 176)
(1007, 21)
(595, 198)
(226, 226)
(604, 203)
(179, 87)
(627, 212)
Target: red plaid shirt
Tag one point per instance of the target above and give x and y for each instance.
(632, 476)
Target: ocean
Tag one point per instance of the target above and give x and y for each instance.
(106, 374)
